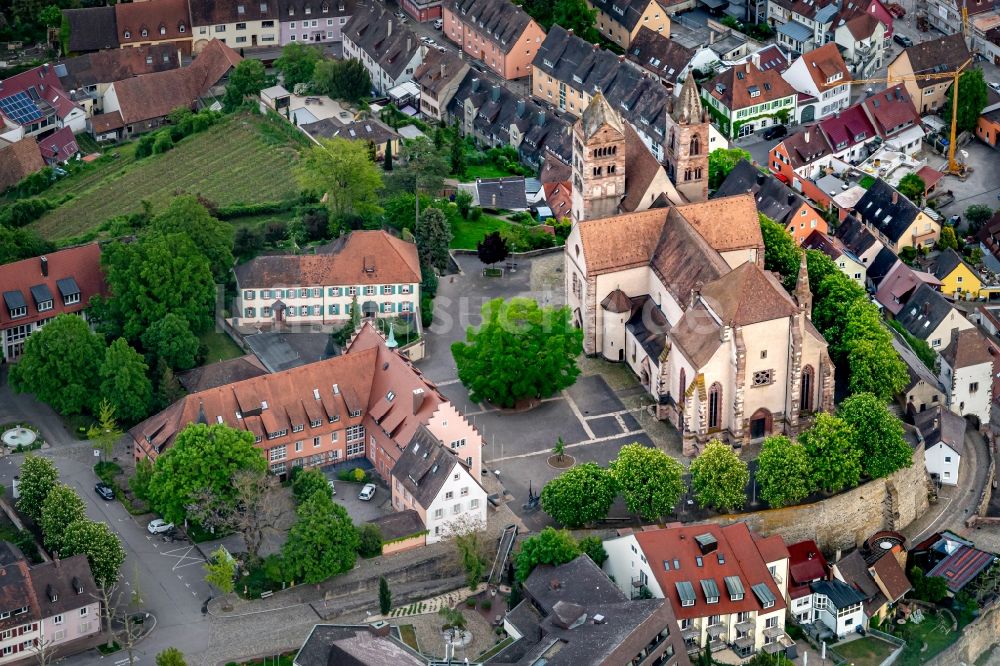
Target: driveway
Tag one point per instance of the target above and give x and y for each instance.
(359, 510)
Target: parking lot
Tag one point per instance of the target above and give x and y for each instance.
(359, 510)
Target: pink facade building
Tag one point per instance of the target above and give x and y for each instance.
(499, 34)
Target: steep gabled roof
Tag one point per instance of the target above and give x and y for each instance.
(825, 64)
(891, 110)
(774, 199)
(943, 54)
(392, 47)
(75, 271)
(847, 128)
(885, 209)
(500, 22)
(924, 312)
(598, 114)
(116, 64)
(748, 295)
(747, 85)
(424, 466)
(967, 348)
(18, 161)
(659, 54)
(806, 146)
(939, 424)
(92, 29)
(727, 223)
(134, 17)
(626, 13)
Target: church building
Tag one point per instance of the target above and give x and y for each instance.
(614, 172)
(680, 294)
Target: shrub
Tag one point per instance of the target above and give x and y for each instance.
(475, 213)
(24, 212)
(471, 602)
(163, 143)
(359, 474)
(371, 541)
(145, 146)
(486, 605)
(426, 311)
(276, 231)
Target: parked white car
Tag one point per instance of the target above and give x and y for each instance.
(367, 492)
(159, 526)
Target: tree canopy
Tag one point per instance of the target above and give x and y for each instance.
(723, 160)
(220, 570)
(341, 170)
(152, 277)
(17, 244)
(521, 351)
(433, 236)
(124, 383)
(38, 477)
(213, 237)
(297, 63)
(550, 546)
(975, 215)
(650, 480)
(247, 78)
(492, 248)
(322, 543)
(580, 495)
(101, 546)
(180, 472)
(171, 340)
(912, 187)
(972, 98)
(719, 478)
(782, 472)
(877, 433)
(420, 166)
(782, 254)
(308, 482)
(60, 365)
(61, 508)
(342, 79)
(834, 458)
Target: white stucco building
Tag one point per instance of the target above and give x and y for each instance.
(821, 76)
(967, 373)
(944, 438)
(838, 606)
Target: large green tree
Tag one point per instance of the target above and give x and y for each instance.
(580, 495)
(220, 571)
(171, 340)
(836, 294)
(433, 236)
(183, 470)
(781, 254)
(834, 458)
(62, 507)
(101, 546)
(877, 433)
(876, 368)
(420, 167)
(578, 16)
(342, 79)
(213, 237)
(247, 78)
(723, 160)
(310, 481)
(322, 543)
(521, 351)
(124, 383)
(782, 472)
(17, 244)
(38, 477)
(340, 170)
(61, 365)
(972, 98)
(297, 63)
(719, 478)
(975, 215)
(152, 277)
(550, 546)
(650, 481)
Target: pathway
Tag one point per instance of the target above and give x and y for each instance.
(432, 605)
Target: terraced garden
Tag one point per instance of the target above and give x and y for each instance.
(244, 159)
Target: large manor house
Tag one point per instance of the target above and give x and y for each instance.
(679, 292)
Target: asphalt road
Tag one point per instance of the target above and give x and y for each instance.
(168, 576)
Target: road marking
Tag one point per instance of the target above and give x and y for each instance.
(593, 440)
(448, 383)
(579, 415)
(619, 413)
(183, 556)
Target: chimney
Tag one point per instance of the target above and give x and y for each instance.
(444, 70)
(807, 136)
(811, 555)
(409, 44)
(755, 58)
(555, 584)
(935, 426)
(926, 309)
(570, 31)
(381, 629)
(418, 399)
(597, 47)
(45, 265)
(621, 58)
(895, 197)
(748, 66)
(711, 37)
(388, 28)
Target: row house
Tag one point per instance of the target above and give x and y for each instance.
(943, 432)
(91, 29)
(422, 10)
(498, 33)
(54, 604)
(806, 566)
(439, 77)
(726, 585)
(369, 403)
(849, 133)
(801, 25)
(238, 23)
(895, 220)
(745, 98)
(37, 289)
(863, 39)
(662, 57)
(372, 270)
(775, 200)
(389, 51)
(848, 262)
(923, 389)
(822, 81)
(944, 54)
(154, 22)
(313, 21)
(801, 159)
(33, 104)
(621, 20)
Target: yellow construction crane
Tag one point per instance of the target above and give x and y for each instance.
(954, 168)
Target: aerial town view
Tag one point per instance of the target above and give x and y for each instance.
(499, 332)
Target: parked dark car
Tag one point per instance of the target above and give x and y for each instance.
(105, 491)
(902, 40)
(774, 132)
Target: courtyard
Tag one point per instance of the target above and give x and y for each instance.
(604, 410)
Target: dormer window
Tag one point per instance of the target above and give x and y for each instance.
(145, 33)
(263, 8)
(308, 10)
(163, 29)
(16, 305)
(128, 35)
(181, 28)
(241, 9)
(291, 11)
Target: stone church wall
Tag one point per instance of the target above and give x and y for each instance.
(846, 520)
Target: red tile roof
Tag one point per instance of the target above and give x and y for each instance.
(806, 563)
(806, 146)
(892, 110)
(106, 122)
(739, 82)
(152, 15)
(740, 556)
(18, 161)
(43, 83)
(59, 146)
(83, 264)
(559, 198)
(847, 128)
(824, 64)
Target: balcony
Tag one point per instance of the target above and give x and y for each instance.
(744, 642)
(746, 625)
(691, 632)
(774, 632)
(717, 646)
(716, 630)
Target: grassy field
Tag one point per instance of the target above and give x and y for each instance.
(867, 651)
(466, 233)
(220, 347)
(244, 159)
(486, 171)
(934, 632)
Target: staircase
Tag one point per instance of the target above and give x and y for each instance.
(507, 539)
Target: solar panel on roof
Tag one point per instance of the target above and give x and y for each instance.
(19, 108)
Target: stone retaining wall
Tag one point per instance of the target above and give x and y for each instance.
(976, 638)
(844, 521)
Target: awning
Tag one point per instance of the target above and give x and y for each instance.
(795, 31)
(782, 177)
(715, 4)
(906, 137)
(369, 307)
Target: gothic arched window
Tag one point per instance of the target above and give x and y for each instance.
(695, 147)
(808, 380)
(715, 406)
